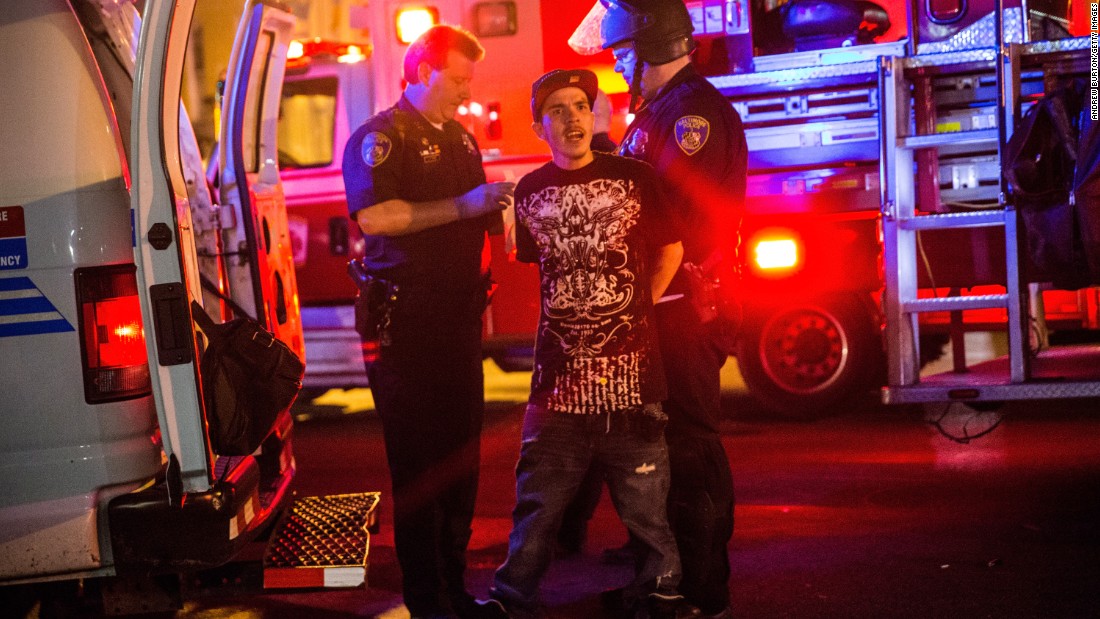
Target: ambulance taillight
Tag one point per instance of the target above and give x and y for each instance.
(111, 334)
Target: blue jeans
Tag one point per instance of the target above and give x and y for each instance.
(557, 452)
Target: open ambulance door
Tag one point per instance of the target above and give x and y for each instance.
(164, 234)
(261, 281)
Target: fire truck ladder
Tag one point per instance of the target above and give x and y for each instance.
(911, 204)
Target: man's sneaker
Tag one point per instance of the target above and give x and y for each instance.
(487, 609)
(666, 606)
(467, 607)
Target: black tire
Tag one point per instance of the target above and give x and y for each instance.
(800, 361)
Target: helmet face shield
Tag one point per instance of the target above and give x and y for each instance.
(660, 30)
(586, 39)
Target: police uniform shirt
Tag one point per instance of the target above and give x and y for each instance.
(692, 135)
(398, 154)
(591, 231)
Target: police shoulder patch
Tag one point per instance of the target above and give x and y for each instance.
(376, 147)
(692, 133)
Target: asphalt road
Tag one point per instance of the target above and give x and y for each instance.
(871, 513)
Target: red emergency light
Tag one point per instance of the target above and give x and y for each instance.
(413, 21)
(775, 252)
(299, 53)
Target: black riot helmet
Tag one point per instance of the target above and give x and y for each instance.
(660, 30)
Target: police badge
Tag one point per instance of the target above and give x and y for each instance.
(692, 133)
(376, 147)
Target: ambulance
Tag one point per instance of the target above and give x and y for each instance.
(110, 239)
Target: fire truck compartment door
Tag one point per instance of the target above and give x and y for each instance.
(261, 278)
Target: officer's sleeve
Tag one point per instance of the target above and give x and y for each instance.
(371, 166)
(493, 223)
(661, 223)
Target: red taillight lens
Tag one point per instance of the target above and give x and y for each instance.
(111, 334)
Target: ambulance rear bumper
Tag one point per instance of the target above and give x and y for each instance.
(151, 533)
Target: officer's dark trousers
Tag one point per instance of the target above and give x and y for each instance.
(701, 495)
(428, 390)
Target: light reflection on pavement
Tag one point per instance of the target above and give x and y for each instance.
(500, 387)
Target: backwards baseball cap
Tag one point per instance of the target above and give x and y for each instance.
(558, 79)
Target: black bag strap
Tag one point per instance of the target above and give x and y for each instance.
(233, 305)
(198, 313)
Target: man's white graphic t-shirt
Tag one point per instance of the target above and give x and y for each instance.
(592, 232)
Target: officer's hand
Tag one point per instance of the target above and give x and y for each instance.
(485, 199)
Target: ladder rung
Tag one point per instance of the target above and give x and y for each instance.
(968, 219)
(948, 304)
(947, 139)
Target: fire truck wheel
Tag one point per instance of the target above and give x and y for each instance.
(800, 361)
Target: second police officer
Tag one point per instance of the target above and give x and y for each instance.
(691, 134)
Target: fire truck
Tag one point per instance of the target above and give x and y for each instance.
(894, 151)
(805, 77)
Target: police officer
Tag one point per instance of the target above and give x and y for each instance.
(692, 135)
(416, 188)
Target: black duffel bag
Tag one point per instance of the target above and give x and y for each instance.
(249, 377)
(1040, 160)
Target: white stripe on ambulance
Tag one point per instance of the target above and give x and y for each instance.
(36, 317)
(25, 293)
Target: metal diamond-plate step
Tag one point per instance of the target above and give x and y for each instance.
(322, 541)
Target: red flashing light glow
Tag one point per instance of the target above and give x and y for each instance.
(119, 339)
(301, 53)
(414, 21)
(776, 253)
(353, 55)
(295, 50)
